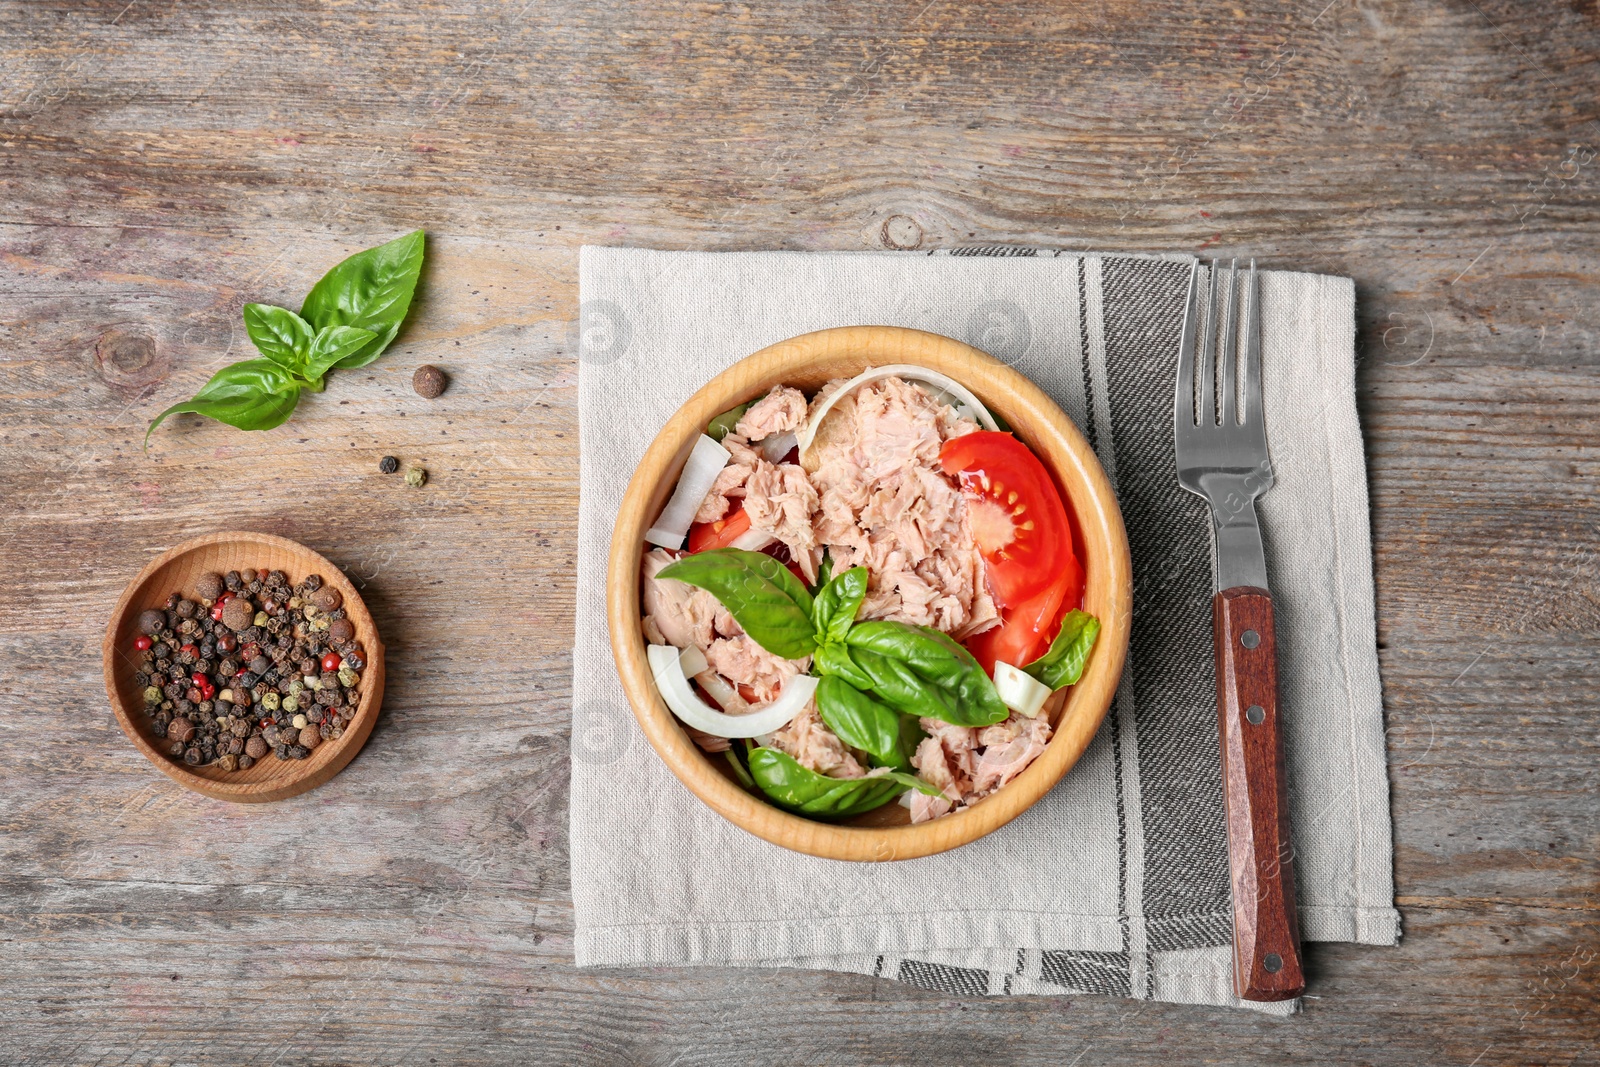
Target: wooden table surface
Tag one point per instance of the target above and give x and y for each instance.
(165, 163)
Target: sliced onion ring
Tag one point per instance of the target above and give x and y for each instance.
(699, 472)
(774, 448)
(666, 664)
(1019, 690)
(942, 383)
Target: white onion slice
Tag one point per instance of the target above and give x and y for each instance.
(954, 392)
(773, 449)
(667, 667)
(705, 463)
(1019, 690)
(752, 540)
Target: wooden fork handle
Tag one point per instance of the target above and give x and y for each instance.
(1266, 929)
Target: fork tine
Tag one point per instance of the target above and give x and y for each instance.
(1228, 412)
(1252, 351)
(1184, 413)
(1208, 377)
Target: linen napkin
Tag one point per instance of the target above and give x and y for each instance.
(1116, 882)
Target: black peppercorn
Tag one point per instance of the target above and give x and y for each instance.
(278, 578)
(388, 464)
(312, 583)
(186, 609)
(298, 752)
(281, 751)
(259, 665)
(233, 581)
(152, 622)
(429, 381)
(354, 660)
(191, 756)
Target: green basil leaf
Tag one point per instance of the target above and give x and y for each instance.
(800, 789)
(834, 610)
(256, 394)
(332, 344)
(723, 424)
(280, 334)
(772, 605)
(371, 290)
(862, 722)
(920, 671)
(824, 571)
(1063, 664)
(833, 657)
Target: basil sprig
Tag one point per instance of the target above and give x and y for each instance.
(802, 790)
(347, 320)
(1063, 664)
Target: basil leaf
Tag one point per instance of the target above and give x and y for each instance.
(862, 722)
(824, 571)
(332, 344)
(800, 789)
(256, 394)
(723, 424)
(834, 610)
(280, 334)
(1063, 664)
(920, 671)
(762, 594)
(833, 657)
(371, 290)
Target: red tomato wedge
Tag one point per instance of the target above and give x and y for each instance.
(718, 534)
(1026, 629)
(1016, 514)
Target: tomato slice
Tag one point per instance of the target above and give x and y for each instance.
(1016, 515)
(719, 534)
(1026, 629)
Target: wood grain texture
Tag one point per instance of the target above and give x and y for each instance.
(164, 163)
(808, 362)
(1266, 927)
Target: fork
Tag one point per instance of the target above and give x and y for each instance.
(1222, 456)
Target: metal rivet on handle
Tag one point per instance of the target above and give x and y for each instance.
(1256, 714)
(1249, 639)
(1273, 963)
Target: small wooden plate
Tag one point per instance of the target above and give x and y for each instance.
(176, 572)
(807, 362)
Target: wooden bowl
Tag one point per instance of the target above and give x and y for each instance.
(175, 572)
(807, 362)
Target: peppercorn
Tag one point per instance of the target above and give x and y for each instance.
(256, 747)
(191, 756)
(341, 630)
(281, 751)
(246, 762)
(278, 578)
(429, 381)
(312, 583)
(233, 580)
(416, 477)
(228, 762)
(227, 642)
(388, 464)
(175, 748)
(238, 614)
(327, 598)
(152, 621)
(310, 737)
(298, 752)
(355, 660)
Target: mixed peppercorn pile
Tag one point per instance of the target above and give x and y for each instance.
(250, 665)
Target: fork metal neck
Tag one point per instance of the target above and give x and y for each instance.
(1241, 559)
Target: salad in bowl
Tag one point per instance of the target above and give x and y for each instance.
(863, 594)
